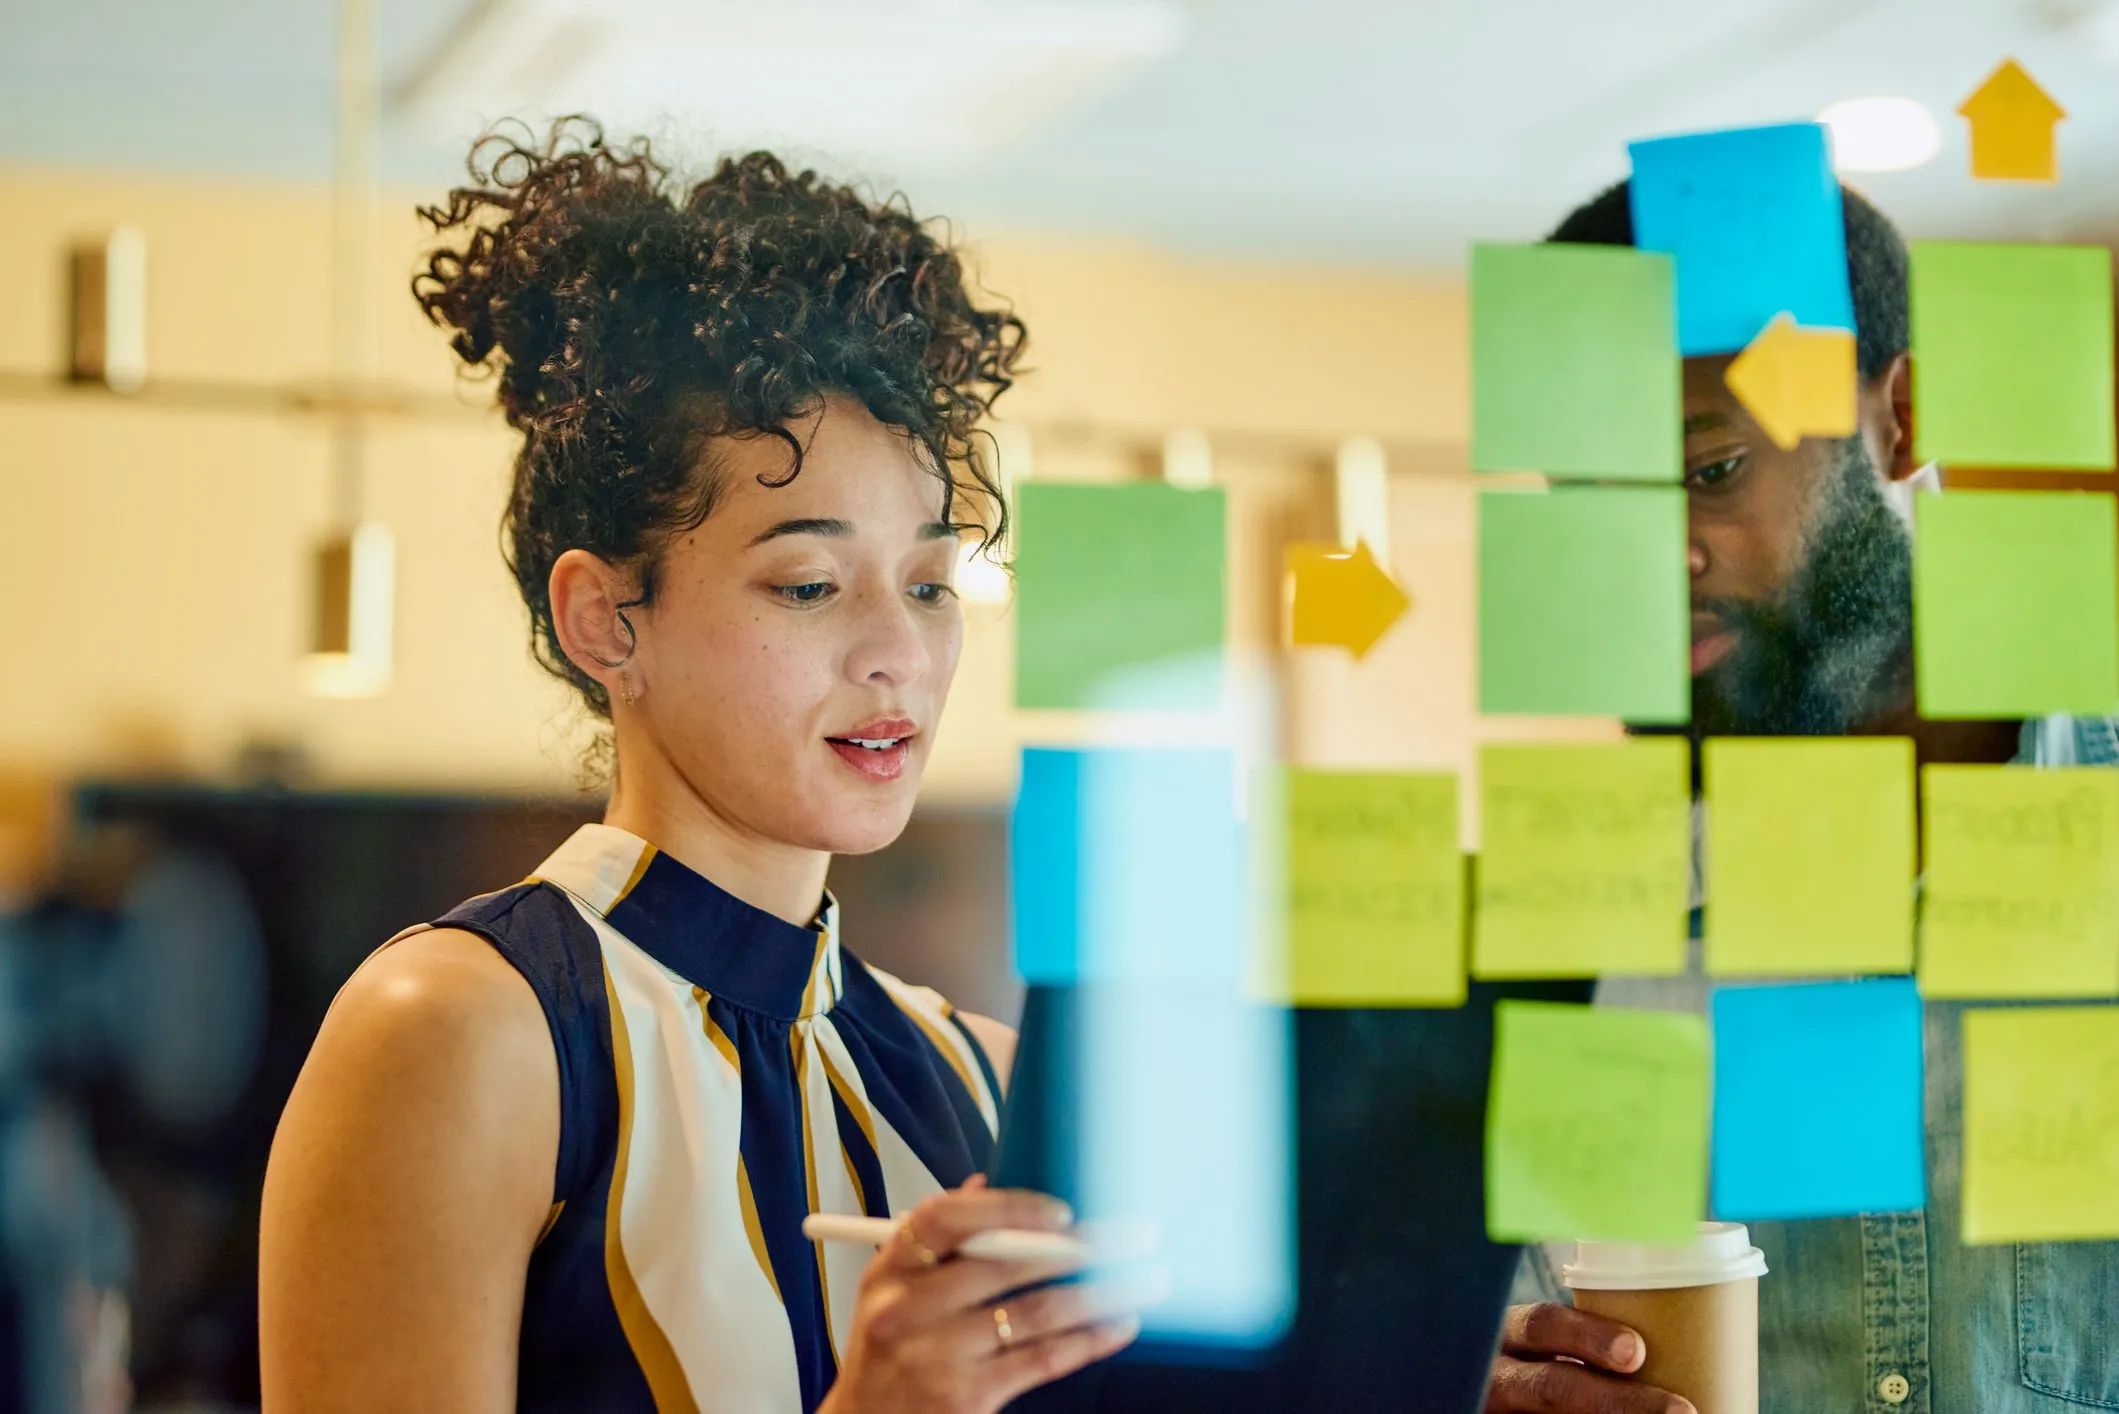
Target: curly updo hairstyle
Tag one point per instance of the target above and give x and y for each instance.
(631, 320)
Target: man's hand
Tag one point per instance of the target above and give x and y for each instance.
(1533, 1374)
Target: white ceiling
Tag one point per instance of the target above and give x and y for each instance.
(1372, 131)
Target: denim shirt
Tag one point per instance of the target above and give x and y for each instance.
(1891, 1313)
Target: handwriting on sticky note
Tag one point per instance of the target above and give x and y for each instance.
(1375, 889)
(1585, 863)
(1596, 1124)
(2041, 1119)
(2022, 887)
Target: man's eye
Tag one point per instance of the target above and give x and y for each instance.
(1714, 473)
(811, 593)
(933, 593)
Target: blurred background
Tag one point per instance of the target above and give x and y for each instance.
(269, 697)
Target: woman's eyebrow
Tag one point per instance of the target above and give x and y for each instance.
(812, 525)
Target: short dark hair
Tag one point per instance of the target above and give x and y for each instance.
(632, 318)
(1876, 266)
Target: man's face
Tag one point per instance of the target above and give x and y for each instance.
(1801, 571)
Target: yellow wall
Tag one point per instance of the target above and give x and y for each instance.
(153, 554)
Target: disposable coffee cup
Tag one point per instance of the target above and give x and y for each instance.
(1695, 1305)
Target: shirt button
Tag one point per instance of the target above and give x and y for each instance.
(1893, 1388)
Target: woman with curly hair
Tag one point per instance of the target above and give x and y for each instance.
(552, 1151)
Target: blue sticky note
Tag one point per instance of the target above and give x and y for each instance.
(1128, 864)
(1753, 217)
(1817, 1100)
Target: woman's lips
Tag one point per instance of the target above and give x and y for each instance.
(876, 764)
(878, 750)
(1710, 646)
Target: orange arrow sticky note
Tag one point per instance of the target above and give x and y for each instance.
(1797, 382)
(1342, 598)
(2012, 127)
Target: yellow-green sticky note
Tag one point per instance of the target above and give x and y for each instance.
(2015, 604)
(1375, 889)
(2012, 355)
(1596, 1124)
(1809, 856)
(2041, 1124)
(2021, 893)
(1585, 865)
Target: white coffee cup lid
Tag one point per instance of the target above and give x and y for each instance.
(1722, 1252)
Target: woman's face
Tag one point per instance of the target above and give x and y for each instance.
(803, 637)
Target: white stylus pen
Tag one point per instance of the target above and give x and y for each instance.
(1001, 1244)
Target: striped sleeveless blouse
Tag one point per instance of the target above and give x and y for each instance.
(722, 1073)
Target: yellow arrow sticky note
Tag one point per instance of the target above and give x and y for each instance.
(1341, 598)
(1797, 382)
(2041, 1124)
(2012, 122)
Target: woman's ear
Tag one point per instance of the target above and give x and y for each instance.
(586, 594)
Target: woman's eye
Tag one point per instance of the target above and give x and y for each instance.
(933, 593)
(814, 592)
(1715, 473)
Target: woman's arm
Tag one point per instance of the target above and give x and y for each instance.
(410, 1177)
(998, 1040)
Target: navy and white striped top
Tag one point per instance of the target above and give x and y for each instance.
(722, 1073)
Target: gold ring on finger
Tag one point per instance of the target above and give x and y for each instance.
(1002, 1331)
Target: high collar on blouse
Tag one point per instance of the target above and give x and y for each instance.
(740, 953)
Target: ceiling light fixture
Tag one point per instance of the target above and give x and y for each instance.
(1881, 134)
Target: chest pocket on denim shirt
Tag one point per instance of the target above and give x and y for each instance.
(2067, 1320)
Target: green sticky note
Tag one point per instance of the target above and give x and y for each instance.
(2012, 355)
(2015, 604)
(1119, 596)
(1375, 890)
(1809, 856)
(1584, 605)
(2041, 1124)
(2020, 897)
(1596, 1126)
(1575, 367)
(1585, 865)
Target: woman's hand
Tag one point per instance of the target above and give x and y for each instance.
(928, 1337)
(1529, 1378)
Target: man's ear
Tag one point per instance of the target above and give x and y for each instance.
(1887, 411)
(586, 592)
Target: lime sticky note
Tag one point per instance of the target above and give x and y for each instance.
(1817, 1100)
(2021, 892)
(1809, 855)
(1586, 857)
(1375, 889)
(1596, 1125)
(1584, 606)
(2041, 1124)
(2012, 355)
(1753, 216)
(1119, 596)
(1575, 362)
(2015, 604)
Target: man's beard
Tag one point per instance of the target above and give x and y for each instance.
(1835, 651)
